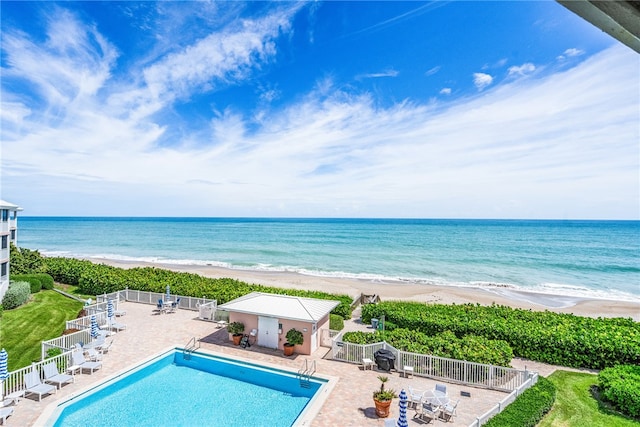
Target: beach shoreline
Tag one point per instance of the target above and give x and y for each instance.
(388, 290)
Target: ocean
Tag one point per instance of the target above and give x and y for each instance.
(599, 259)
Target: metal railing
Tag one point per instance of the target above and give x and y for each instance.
(441, 368)
(85, 322)
(145, 297)
(65, 342)
(500, 406)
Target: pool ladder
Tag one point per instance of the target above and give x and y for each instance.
(305, 372)
(191, 346)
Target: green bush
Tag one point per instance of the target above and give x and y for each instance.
(336, 322)
(17, 294)
(470, 348)
(96, 279)
(529, 408)
(1, 310)
(294, 337)
(544, 336)
(25, 261)
(52, 352)
(235, 328)
(620, 385)
(37, 281)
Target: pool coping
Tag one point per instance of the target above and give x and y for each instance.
(305, 418)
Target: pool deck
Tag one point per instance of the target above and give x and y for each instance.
(350, 403)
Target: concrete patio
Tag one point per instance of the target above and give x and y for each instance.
(349, 404)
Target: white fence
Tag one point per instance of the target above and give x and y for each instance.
(482, 419)
(15, 380)
(144, 297)
(65, 342)
(450, 370)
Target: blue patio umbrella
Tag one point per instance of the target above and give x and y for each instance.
(167, 296)
(402, 419)
(4, 372)
(94, 327)
(109, 309)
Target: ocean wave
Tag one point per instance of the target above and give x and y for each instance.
(557, 289)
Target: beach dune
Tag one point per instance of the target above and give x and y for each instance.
(389, 290)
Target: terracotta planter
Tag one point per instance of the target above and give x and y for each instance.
(236, 339)
(382, 408)
(288, 349)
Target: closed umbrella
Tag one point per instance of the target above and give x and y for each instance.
(402, 419)
(168, 293)
(4, 372)
(110, 311)
(94, 327)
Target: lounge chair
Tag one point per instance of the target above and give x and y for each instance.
(53, 376)
(93, 355)
(4, 413)
(105, 348)
(113, 325)
(34, 385)
(82, 363)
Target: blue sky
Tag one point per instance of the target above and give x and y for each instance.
(324, 109)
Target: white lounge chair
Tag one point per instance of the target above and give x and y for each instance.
(34, 385)
(105, 348)
(82, 363)
(115, 326)
(4, 413)
(53, 376)
(93, 355)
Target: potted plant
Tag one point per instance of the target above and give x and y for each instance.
(294, 337)
(382, 398)
(236, 329)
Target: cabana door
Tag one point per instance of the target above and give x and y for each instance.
(268, 332)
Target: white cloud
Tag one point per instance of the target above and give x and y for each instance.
(560, 145)
(386, 73)
(445, 91)
(522, 70)
(482, 80)
(432, 71)
(570, 53)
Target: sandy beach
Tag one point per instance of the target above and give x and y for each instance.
(388, 290)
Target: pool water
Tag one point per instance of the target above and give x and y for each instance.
(203, 391)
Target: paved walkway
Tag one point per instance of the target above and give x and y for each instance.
(349, 404)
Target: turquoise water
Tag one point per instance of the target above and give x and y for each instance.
(575, 258)
(198, 392)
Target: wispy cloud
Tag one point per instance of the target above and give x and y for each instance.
(386, 73)
(521, 70)
(432, 71)
(482, 80)
(570, 53)
(558, 144)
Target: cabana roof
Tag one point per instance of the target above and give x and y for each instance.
(281, 306)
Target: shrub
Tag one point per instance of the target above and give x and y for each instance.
(529, 408)
(25, 261)
(37, 281)
(555, 338)
(620, 386)
(336, 322)
(1, 309)
(52, 352)
(17, 294)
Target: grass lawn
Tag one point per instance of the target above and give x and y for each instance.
(23, 328)
(576, 407)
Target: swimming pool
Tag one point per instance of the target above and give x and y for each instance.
(202, 390)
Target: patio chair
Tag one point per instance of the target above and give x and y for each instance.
(415, 397)
(53, 376)
(34, 385)
(426, 412)
(160, 307)
(252, 336)
(93, 355)
(82, 363)
(441, 388)
(4, 413)
(449, 411)
(105, 348)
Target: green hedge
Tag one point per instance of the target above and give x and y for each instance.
(529, 408)
(17, 294)
(37, 281)
(24, 261)
(620, 385)
(558, 339)
(336, 322)
(470, 348)
(96, 279)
